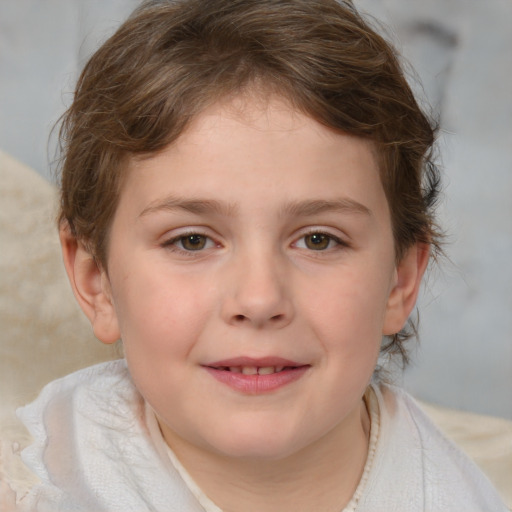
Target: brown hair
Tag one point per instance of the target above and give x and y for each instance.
(172, 59)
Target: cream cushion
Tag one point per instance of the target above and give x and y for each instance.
(44, 335)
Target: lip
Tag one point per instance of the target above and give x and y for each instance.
(258, 361)
(257, 384)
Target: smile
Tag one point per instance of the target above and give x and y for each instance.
(257, 376)
(254, 370)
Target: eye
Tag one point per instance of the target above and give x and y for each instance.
(318, 241)
(193, 242)
(190, 242)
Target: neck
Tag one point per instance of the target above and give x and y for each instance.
(322, 476)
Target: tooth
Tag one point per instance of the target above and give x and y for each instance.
(266, 370)
(249, 370)
(279, 369)
(235, 369)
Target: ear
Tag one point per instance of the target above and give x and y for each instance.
(404, 293)
(90, 285)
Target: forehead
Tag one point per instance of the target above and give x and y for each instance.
(256, 144)
(270, 120)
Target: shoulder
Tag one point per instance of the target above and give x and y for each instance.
(100, 396)
(90, 387)
(91, 447)
(413, 451)
(90, 377)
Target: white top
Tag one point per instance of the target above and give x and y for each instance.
(97, 447)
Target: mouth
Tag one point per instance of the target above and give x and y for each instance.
(256, 376)
(255, 366)
(254, 370)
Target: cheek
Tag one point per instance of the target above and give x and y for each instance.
(350, 302)
(348, 318)
(161, 325)
(159, 314)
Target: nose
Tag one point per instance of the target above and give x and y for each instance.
(258, 293)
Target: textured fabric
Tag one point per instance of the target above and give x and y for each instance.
(417, 469)
(97, 448)
(487, 441)
(92, 449)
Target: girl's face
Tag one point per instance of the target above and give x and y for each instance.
(251, 274)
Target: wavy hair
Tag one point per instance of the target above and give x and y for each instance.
(172, 59)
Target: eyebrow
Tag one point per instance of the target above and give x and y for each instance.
(310, 208)
(306, 208)
(197, 206)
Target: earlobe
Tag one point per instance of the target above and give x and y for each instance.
(402, 297)
(90, 285)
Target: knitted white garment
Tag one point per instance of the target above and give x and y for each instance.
(97, 447)
(92, 449)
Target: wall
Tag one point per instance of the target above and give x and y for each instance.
(461, 51)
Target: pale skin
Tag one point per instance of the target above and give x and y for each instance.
(258, 234)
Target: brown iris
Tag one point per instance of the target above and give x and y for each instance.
(317, 241)
(193, 242)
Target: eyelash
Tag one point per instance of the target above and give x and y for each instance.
(172, 244)
(340, 244)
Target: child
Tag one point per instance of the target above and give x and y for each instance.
(247, 203)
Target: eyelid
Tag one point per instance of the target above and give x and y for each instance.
(170, 242)
(341, 241)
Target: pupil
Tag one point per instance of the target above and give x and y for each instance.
(317, 241)
(193, 242)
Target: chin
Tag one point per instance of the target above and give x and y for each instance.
(258, 452)
(257, 444)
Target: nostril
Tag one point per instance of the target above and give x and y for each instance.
(260, 319)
